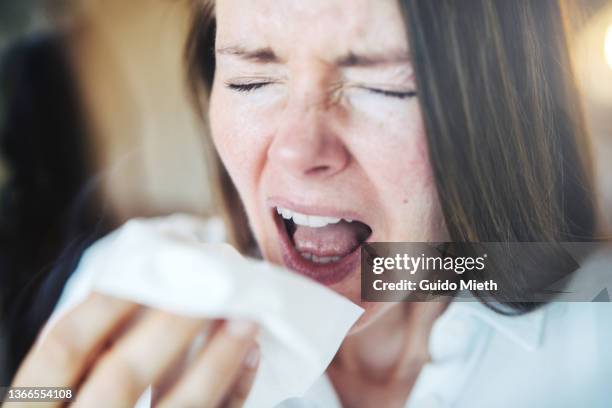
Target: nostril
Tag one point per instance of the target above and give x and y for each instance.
(318, 169)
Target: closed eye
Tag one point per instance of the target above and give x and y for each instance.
(247, 87)
(392, 94)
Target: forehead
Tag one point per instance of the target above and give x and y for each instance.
(327, 27)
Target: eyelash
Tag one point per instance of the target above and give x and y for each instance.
(245, 88)
(392, 94)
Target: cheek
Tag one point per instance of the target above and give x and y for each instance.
(399, 168)
(238, 140)
(407, 169)
(242, 141)
(393, 147)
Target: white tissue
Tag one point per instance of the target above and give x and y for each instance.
(170, 263)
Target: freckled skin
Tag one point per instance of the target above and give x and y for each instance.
(363, 152)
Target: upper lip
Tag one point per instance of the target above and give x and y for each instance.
(317, 210)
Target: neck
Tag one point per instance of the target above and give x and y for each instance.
(394, 345)
(379, 365)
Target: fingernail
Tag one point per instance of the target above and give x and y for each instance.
(240, 328)
(252, 357)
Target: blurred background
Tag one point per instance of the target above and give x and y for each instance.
(592, 49)
(127, 62)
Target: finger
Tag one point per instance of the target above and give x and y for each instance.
(62, 356)
(170, 379)
(242, 387)
(209, 379)
(140, 358)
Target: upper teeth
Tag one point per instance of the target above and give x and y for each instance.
(313, 221)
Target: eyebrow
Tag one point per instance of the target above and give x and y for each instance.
(260, 55)
(368, 60)
(266, 55)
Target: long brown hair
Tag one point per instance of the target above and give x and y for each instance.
(506, 135)
(503, 117)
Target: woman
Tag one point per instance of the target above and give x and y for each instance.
(339, 122)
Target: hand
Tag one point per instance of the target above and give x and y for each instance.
(108, 351)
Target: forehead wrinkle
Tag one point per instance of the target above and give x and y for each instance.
(332, 31)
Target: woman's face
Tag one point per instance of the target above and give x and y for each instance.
(314, 114)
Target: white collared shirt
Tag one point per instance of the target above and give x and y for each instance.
(557, 356)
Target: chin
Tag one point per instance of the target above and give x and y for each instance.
(322, 244)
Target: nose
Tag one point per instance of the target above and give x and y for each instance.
(305, 145)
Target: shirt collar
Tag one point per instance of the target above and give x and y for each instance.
(525, 330)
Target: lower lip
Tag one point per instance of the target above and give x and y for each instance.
(326, 274)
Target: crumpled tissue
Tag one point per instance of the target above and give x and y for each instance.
(178, 263)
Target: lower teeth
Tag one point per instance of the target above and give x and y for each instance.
(319, 259)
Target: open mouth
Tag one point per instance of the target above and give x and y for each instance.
(324, 248)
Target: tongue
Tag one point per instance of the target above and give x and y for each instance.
(332, 240)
